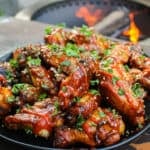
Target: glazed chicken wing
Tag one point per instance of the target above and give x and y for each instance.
(105, 126)
(65, 137)
(120, 95)
(42, 79)
(40, 118)
(74, 85)
(101, 128)
(84, 106)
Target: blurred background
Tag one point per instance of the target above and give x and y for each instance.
(121, 19)
(11, 7)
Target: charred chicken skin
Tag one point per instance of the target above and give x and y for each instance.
(77, 88)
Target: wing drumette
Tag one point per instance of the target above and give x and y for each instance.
(101, 128)
(40, 118)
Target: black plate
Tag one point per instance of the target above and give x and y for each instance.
(30, 141)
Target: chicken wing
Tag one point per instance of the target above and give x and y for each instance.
(120, 95)
(40, 118)
(74, 85)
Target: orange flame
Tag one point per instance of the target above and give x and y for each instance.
(133, 32)
(90, 14)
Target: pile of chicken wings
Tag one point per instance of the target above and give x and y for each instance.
(77, 88)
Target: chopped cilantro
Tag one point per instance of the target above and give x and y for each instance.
(94, 92)
(107, 62)
(92, 124)
(137, 90)
(126, 67)
(56, 105)
(17, 87)
(9, 76)
(76, 99)
(71, 50)
(53, 47)
(110, 70)
(94, 82)
(33, 61)
(115, 113)
(102, 114)
(48, 30)
(14, 63)
(80, 121)
(28, 130)
(114, 79)
(121, 92)
(86, 31)
(142, 57)
(11, 99)
(66, 63)
(107, 52)
(42, 96)
(18, 110)
(94, 54)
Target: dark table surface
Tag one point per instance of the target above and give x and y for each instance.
(15, 33)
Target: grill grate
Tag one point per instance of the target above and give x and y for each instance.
(65, 11)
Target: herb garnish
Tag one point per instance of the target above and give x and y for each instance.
(92, 124)
(53, 47)
(14, 63)
(9, 76)
(18, 87)
(33, 61)
(86, 31)
(48, 30)
(109, 70)
(115, 113)
(137, 90)
(56, 105)
(80, 121)
(94, 92)
(94, 82)
(107, 62)
(126, 67)
(71, 50)
(28, 130)
(76, 99)
(102, 114)
(114, 79)
(66, 63)
(42, 96)
(95, 54)
(108, 51)
(11, 99)
(121, 91)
